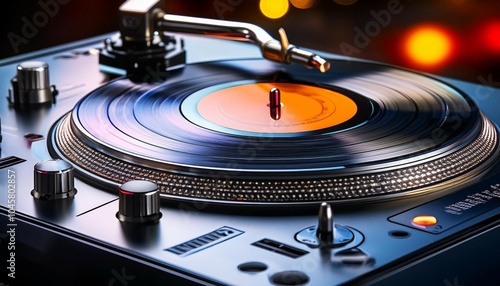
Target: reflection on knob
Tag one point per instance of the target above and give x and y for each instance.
(139, 202)
(53, 179)
(31, 85)
(324, 232)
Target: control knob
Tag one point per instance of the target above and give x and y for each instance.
(31, 85)
(139, 202)
(53, 179)
(325, 233)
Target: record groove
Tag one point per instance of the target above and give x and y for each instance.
(410, 134)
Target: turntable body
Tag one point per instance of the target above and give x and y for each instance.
(204, 239)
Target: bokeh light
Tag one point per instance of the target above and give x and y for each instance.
(428, 46)
(303, 4)
(274, 9)
(491, 36)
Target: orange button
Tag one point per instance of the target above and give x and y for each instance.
(424, 221)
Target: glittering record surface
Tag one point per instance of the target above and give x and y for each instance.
(403, 133)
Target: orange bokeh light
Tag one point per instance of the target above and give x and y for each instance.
(303, 4)
(428, 46)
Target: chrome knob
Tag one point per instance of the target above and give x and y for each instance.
(324, 232)
(31, 84)
(53, 179)
(139, 201)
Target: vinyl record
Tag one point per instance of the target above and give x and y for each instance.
(361, 131)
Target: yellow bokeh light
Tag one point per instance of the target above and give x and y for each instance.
(274, 9)
(428, 46)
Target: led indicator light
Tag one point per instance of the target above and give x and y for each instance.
(424, 220)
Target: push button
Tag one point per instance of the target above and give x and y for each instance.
(288, 278)
(252, 267)
(424, 221)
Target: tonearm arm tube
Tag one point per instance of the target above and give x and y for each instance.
(140, 19)
(239, 31)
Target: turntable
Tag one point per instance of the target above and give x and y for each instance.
(162, 163)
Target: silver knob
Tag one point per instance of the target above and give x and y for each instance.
(139, 201)
(31, 84)
(53, 179)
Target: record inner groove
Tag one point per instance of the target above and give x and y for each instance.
(385, 133)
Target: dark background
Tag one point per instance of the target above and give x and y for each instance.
(473, 25)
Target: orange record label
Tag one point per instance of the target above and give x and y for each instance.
(303, 108)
